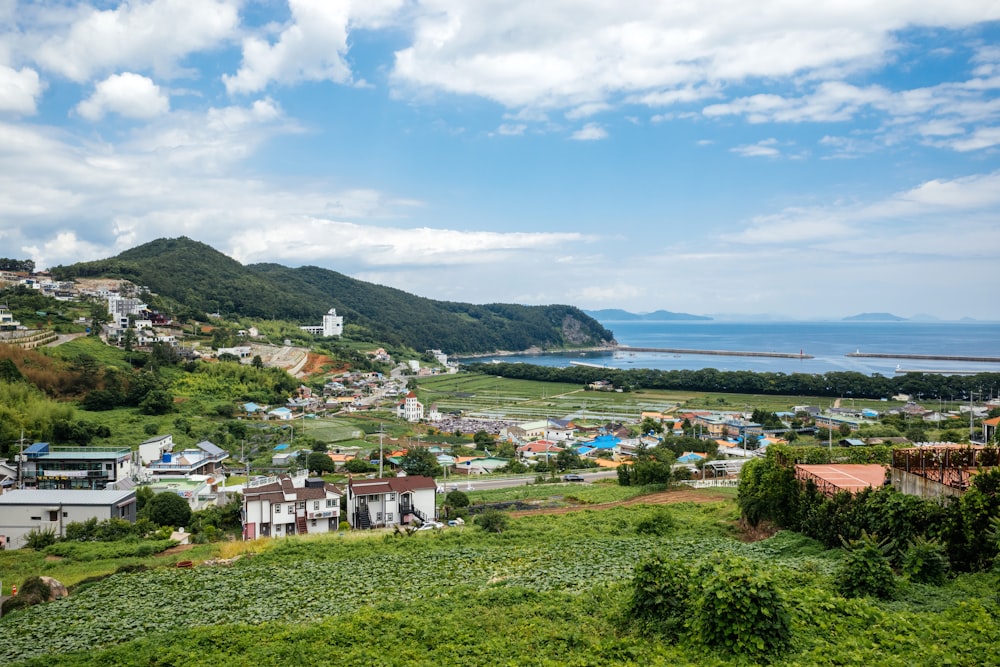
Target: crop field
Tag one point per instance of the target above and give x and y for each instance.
(502, 398)
(549, 590)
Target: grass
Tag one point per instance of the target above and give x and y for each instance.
(527, 399)
(551, 590)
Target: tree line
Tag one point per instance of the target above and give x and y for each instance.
(834, 384)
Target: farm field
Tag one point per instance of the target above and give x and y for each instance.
(549, 590)
(495, 397)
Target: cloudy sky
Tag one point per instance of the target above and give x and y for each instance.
(815, 159)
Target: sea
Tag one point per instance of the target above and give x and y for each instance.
(827, 342)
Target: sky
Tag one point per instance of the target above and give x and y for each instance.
(812, 159)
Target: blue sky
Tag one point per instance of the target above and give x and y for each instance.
(813, 159)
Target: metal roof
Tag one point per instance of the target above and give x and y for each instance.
(63, 497)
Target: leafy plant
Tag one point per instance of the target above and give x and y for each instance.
(493, 521)
(865, 569)
(38, 539)
(659, 523)
(926, 562)
(661, 593)
(741, 611)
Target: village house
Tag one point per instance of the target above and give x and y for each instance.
(283, 506)
(390, 501)
(24, 510)
(48, 466)
(410, 408)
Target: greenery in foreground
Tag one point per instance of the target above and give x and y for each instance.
(548, 590)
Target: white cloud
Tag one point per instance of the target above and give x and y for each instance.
(944, 218)
(129, 95)
(81, 41)
(764, 148)
(19, 90)
(590, 132)
(567, 53)
(312, 47)
(512, 129)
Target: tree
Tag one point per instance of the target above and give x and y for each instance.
(419, 461)
(157, 402)
(321, 463)
(257, 362)
(168, 509)
(358, 466)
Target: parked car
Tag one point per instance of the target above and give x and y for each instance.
(573, 477)
(431, 525)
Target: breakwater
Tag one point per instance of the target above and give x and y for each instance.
(717, 353)
(925, 357)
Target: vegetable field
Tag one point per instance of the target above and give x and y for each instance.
(551, 590)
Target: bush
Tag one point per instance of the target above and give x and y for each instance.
(168, 509)
(659, 523)
(926, 562)
(661, 592)
(493, 521)
(865, 569)
(39, 539)
(741, 611)
(456, 499)
(31, 592)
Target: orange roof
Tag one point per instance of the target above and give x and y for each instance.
(341, 458)
(992, 422)
(604, 463)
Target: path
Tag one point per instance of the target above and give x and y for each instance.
(64, 338)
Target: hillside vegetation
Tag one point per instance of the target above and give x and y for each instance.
(550, 590)
(198, 279)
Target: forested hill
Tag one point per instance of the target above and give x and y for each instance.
(204, 280)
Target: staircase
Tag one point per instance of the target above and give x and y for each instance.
(408, 509)
(361, 518)
(300, 525)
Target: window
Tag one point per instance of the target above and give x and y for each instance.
(315, 504)
(277, 509)
(388, 516)
(392, 497)
(302, 505)
(314, 523)
(378, 517)
(331, 502)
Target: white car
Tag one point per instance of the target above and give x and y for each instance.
(431, 525)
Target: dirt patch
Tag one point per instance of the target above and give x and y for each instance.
(53, 559)
(179, 549)
(761, 531)
(321, 363)
(662, 498)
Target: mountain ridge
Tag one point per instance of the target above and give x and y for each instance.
(203, 280)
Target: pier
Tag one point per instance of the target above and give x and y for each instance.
(925, 357)
(584, 363)
(928, 371)
(719, 353)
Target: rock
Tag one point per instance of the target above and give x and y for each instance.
(58, 590)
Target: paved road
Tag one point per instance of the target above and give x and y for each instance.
(64, 338)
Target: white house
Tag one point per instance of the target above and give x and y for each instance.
(410, 408)
(283, 506)
(24, 510)
(333, 325)
(390, 501)
(154, 448)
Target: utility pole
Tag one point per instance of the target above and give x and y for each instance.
(380, 433)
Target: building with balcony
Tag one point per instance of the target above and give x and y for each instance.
(390, 501)
(46, 466)
(202, 459)
(282, 506)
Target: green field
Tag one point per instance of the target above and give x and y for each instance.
(491, 396)
(550, 590)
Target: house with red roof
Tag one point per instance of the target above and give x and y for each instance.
(282, 506)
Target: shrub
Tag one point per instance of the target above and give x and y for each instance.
(661, 591)
(492, 521)
(926, 562)
(32, 591)
(39, 539)
(456, 499)
(658, 523)
(741, 611)
(865, 569)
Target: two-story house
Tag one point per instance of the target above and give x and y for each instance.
(48, 466)
(282, 506)
(390, 501)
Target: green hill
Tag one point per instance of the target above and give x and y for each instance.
(203, 280)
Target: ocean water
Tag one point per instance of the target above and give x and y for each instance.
(827, 342)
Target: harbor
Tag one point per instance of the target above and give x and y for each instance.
(718, 353)
(925, 357)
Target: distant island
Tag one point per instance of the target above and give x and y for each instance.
(618, 315)
(874, 317)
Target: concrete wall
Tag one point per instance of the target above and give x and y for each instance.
(915, 485)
